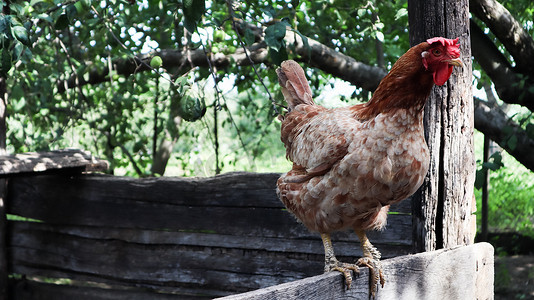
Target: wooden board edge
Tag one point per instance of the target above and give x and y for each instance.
(38, 162)
(464, 272)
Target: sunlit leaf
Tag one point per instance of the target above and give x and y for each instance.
(21, 34)
(380, 36)
(401, 13)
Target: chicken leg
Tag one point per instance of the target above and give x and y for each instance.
(371, 259)
(332, 264)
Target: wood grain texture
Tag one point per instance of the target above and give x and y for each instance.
(236, 204)
(442, 206)
(23, 289)
(200, 237)
(465, 272)
(45, 161)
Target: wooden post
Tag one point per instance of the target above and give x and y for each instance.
(485, 186)
(442, 207)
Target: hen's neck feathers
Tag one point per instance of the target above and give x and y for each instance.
(406, 86)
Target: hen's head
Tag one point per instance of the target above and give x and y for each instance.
(440, 57)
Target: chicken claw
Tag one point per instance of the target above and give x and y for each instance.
(332, 264)
(344, 268)
(375, 272)
(371, 259)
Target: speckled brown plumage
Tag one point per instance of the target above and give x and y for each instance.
(350, 164)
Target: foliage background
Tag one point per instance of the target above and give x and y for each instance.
(51, 51)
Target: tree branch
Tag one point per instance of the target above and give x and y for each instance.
(319, 55)
(506, 80)
(508, 30)
(492, 121)
(359, 74)
(335, 63)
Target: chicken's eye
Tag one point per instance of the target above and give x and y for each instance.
(436, 52)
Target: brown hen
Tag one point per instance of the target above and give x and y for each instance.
(350, 164)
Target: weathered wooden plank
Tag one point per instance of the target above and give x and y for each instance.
(464, 272)
(232, 189)
(173, 259)
(221, 234)
(225, 221)
(345, 243)
(45, 253)
(45, 161)
(172, 204)
(23, 289)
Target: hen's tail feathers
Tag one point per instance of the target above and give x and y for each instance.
(294, 84)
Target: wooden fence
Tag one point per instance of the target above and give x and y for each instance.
(82, 236)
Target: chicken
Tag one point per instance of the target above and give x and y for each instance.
(350, 164)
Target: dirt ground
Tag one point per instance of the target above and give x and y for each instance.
(514, 277)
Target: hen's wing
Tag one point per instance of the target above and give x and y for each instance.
(316, 138)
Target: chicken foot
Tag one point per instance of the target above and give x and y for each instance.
(371, 259)
(332, 264)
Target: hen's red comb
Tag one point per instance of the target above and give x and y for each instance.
(444, 41)
(452, 45)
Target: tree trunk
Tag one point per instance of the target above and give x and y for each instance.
(442, 206)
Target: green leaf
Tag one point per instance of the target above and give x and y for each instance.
(380, 36)
(79, 7)
(15, 7)
(401, 13)
(512, 142)
(277, 57)
(479, 179)
(530, 130)
(45, 17)
(6, 62)
(21, 34)
(193, 12)
(5, 24)
(71, 12)
(62, 22)
(18, 104)
(491, 166)
(156, 62)
(17, 51)
(304, 42)
(249, 37)
(274, 35)
(34, 2)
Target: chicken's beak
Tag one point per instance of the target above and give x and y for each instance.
(457, 62)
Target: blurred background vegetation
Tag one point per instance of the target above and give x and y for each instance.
(165, 87)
